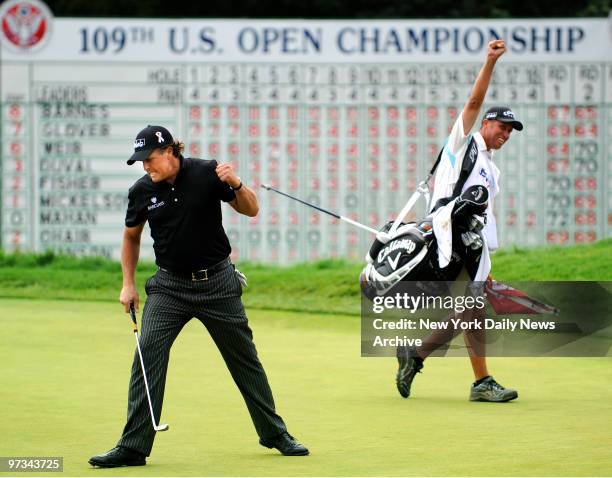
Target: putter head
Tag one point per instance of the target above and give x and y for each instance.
(265, 186)
(162, 427)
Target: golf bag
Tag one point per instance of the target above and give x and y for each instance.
(411, 255)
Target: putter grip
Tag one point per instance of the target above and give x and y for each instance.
(133, 316)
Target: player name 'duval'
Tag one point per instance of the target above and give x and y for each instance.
(65, 165)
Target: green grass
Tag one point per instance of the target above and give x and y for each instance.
(65, 369)
(586, 262)
(321, 287)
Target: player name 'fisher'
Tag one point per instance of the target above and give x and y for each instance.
(459, 324)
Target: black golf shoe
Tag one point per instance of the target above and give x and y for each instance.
(118, 456)
(409, 366)
(490, 391)
(286, 444)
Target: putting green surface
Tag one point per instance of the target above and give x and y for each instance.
(65, 371)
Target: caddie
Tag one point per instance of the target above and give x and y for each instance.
(467, 160)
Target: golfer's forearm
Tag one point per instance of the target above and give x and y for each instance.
(130, 250)
(246, 202)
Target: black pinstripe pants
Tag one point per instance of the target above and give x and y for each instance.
(171, 302)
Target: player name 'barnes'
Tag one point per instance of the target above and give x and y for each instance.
(73, 111)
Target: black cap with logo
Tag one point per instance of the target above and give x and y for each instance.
(150, 138)
(505, 115)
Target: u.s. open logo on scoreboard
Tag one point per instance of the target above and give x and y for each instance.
(25, 25)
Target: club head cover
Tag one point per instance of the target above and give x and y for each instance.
(474, 200)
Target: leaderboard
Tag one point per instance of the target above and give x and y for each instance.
(355, 136)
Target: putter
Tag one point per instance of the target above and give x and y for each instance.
(162, 427)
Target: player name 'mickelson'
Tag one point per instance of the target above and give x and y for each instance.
(115, 201)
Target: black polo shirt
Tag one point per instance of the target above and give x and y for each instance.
(184, 217)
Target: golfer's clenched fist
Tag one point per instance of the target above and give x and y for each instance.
(226, 174)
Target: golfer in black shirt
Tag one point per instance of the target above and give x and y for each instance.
(181, 199)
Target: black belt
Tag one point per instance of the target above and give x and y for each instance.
(202, 274)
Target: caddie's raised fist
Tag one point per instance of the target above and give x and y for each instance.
(496, 49)
(226, 174)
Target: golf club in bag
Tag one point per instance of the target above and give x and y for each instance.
(162, 427)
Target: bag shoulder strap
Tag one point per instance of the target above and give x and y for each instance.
(467, 165)
(435, 166)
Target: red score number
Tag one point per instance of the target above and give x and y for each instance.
(582, 183)
(15, 112)
(195, 113)
(554, 149)
(582, 201)
(561, 237)
(586, 112)
(585, 236)
(586, 218)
